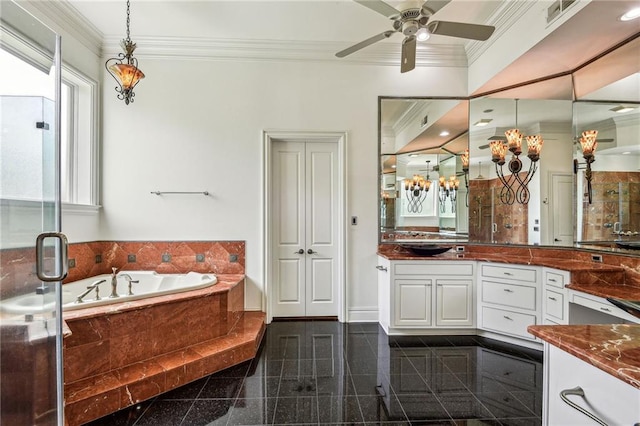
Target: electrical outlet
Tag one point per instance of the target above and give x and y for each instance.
(199, 258)
(98, 258)
(459, 249)
(166, 258)
(131, 258)
(596, 258)
(233, 258)
(72, 263)
(354, 220)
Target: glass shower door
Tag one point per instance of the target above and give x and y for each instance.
(32, 251)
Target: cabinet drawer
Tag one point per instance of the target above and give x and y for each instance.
(517, 296)
(555, 278)
(504, 321)
(554, 305)
(433, 268)
(510, 273)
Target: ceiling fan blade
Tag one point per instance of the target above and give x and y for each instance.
(432, 6)
(462, 30)
(365, 43)
(380, 7)
(408, 54)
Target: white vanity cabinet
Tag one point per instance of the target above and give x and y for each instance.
(555, 302)
(606, 397)
(425, 294)
(509, 299)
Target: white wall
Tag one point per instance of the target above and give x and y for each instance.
(196, 125)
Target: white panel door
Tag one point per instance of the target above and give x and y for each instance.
(454, 302)
(305, 231)
(562, 202)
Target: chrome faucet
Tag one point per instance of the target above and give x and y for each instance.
(89, 288)
(130, 281)
(114, 283)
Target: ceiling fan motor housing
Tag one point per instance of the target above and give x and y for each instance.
(410, 28)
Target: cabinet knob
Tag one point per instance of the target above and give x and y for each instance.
(311, 251)
(508, 290)
(552, 280)
(508, 274)
(508, 318)
(381, 268)
(552, 298)
(605, 309)
(299, 252)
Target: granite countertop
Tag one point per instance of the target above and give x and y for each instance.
(613, 348)
(605, 290)
(558, 263)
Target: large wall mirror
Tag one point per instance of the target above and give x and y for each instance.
(423, 186)
(550, 202)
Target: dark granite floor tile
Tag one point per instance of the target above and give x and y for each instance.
(339, 409)
(165, 413)
(362, 384)
(266, 367)
(304, 386)
(188, 391)
(208, 412)
(525, 421)
(503, 405)
(253, 411)
(125, 417)
(258, 387)
(385, 408)
(227, 387)
(296, 410)
(465, 406)
(420, 407)
(297, 367)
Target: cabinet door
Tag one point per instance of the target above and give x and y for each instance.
(454, 303)
(413, 300)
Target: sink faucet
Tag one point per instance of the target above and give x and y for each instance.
(114, 283)
(130, 281)
(89, 288)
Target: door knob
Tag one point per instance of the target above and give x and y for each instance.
(301, 251)
(311, 251)
(557, 239)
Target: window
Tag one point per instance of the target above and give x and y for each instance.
(24, 80)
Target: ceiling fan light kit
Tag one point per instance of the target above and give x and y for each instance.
(412, 20)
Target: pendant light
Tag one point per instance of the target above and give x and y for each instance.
(124, 68)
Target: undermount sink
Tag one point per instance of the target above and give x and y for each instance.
(427, 249)
(631, 306)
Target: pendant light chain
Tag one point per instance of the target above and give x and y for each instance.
(128, 20)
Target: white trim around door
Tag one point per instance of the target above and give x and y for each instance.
(269, 138)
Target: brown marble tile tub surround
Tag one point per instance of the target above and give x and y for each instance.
(118, 355)
(611, 192)
(511, 220)
(149, 254)
(613, 348)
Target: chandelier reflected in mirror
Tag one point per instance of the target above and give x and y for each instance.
(448, 190)
(416, 190)
(515, 188)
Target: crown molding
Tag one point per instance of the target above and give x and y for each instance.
(433, 55)
(502, 19)
(62, 16)
(413, 114)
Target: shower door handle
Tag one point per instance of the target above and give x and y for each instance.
(61, 257)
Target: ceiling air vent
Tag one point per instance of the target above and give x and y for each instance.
(557, 9)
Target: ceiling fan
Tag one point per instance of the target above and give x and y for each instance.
(412, 20)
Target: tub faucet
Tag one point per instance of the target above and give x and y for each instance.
(130, 281)
(114, 283)
(89, 288)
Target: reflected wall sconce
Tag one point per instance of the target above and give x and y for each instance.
(464, 157)
(416, 190)
(589, 144)
(448, 189)
(124, 68)
(514, 187)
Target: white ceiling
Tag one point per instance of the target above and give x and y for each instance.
(285, 20)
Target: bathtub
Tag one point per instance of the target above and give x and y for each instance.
(150, 284)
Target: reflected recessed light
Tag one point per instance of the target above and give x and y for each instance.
(444, 133)
(620, 109)
(483, 122)
(626, 153)
(632, 14)
(393, 166)
(413, 155)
